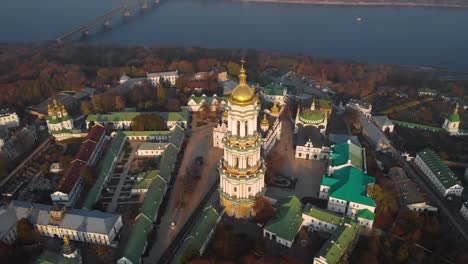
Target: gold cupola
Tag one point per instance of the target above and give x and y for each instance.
(242, 93)
(264, 124)
(274, 110)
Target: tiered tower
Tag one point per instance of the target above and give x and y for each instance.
(242, 168)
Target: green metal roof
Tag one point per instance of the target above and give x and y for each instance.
(146, 133)
(350, 184)
(167, 161)
(288, 219)
(339, 242)
(274, 89)
(438, 167)
(128, 116)
(343, 152)
(147, 178)
(366, 214)
(153, 198)
(454, 117)
(57, 119)
(177, 136)
(111, 155)
(312, 115)
(199, 233)
(137, 241)
(322, 215)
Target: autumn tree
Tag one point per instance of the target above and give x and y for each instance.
(263, 209)
(25, 229)
(85, 108)
(148, 122)
(233, 68)
(97, 104)
(119, 103)
(88, 176)
(161, 92)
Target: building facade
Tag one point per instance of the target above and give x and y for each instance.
(242, 168)
(464, 210)
(56, 221)
(8, 118)
(452, 122)
(311, 117)
(170, 77)
(443, 179)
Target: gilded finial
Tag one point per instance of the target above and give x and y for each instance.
(225, 113)
(312, 106)
(265, 123)
(242, 75)
(55, 102)
(455, 111)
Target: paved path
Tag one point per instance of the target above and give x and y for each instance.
(112, 206)
(200, 144)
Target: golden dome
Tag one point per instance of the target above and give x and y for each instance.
(274, 110)
(264, 121)
(225, 113)
(242, 93)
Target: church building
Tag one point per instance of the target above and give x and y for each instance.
(242, 168)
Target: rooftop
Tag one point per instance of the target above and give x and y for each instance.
(153, 197)
(274, 89)
(137, 241)
(322, 215)
(343, 152)
(339, 242)
(350, 184)
(438, 167)
(288, 219)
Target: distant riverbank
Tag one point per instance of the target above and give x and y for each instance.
(360, 3)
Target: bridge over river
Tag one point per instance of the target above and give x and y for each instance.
(105, 19)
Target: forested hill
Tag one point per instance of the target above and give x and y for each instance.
(435, 3)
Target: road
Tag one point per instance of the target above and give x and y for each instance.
(441, 202)
(200, 144)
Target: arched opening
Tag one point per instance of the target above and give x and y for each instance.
(307, 156)
(238, 128)
(246, 128)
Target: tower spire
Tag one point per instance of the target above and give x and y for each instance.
(312, 106)
(242, 75)
(455, 111)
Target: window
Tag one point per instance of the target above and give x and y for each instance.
(235, 189)
(249, 189)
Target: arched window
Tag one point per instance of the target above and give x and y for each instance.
(238, 127)
(246, 128)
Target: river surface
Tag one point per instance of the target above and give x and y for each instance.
(435, 37)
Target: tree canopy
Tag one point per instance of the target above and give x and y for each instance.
(148, 122)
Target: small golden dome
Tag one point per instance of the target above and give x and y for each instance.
(264, 121)
(242, 93)
(225, 113)
(274, 110)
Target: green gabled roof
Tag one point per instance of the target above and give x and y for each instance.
(153, 197)
(274, 89)
(351, 185)
(343, 152)
(288, 219)
(322, 215)
(137, 241)
(199, 233)
(146, 133)
(62, 131)
(438, 167)
(167, 161)
(328, 181)
(177, 136)
(339, 242)
(147, 178)
(128, 116)
(111, 155)
(366, 214)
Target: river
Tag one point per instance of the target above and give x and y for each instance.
(434, 37)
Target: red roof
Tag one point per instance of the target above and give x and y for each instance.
(71, 176)
(95, 133)
(86, 150)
